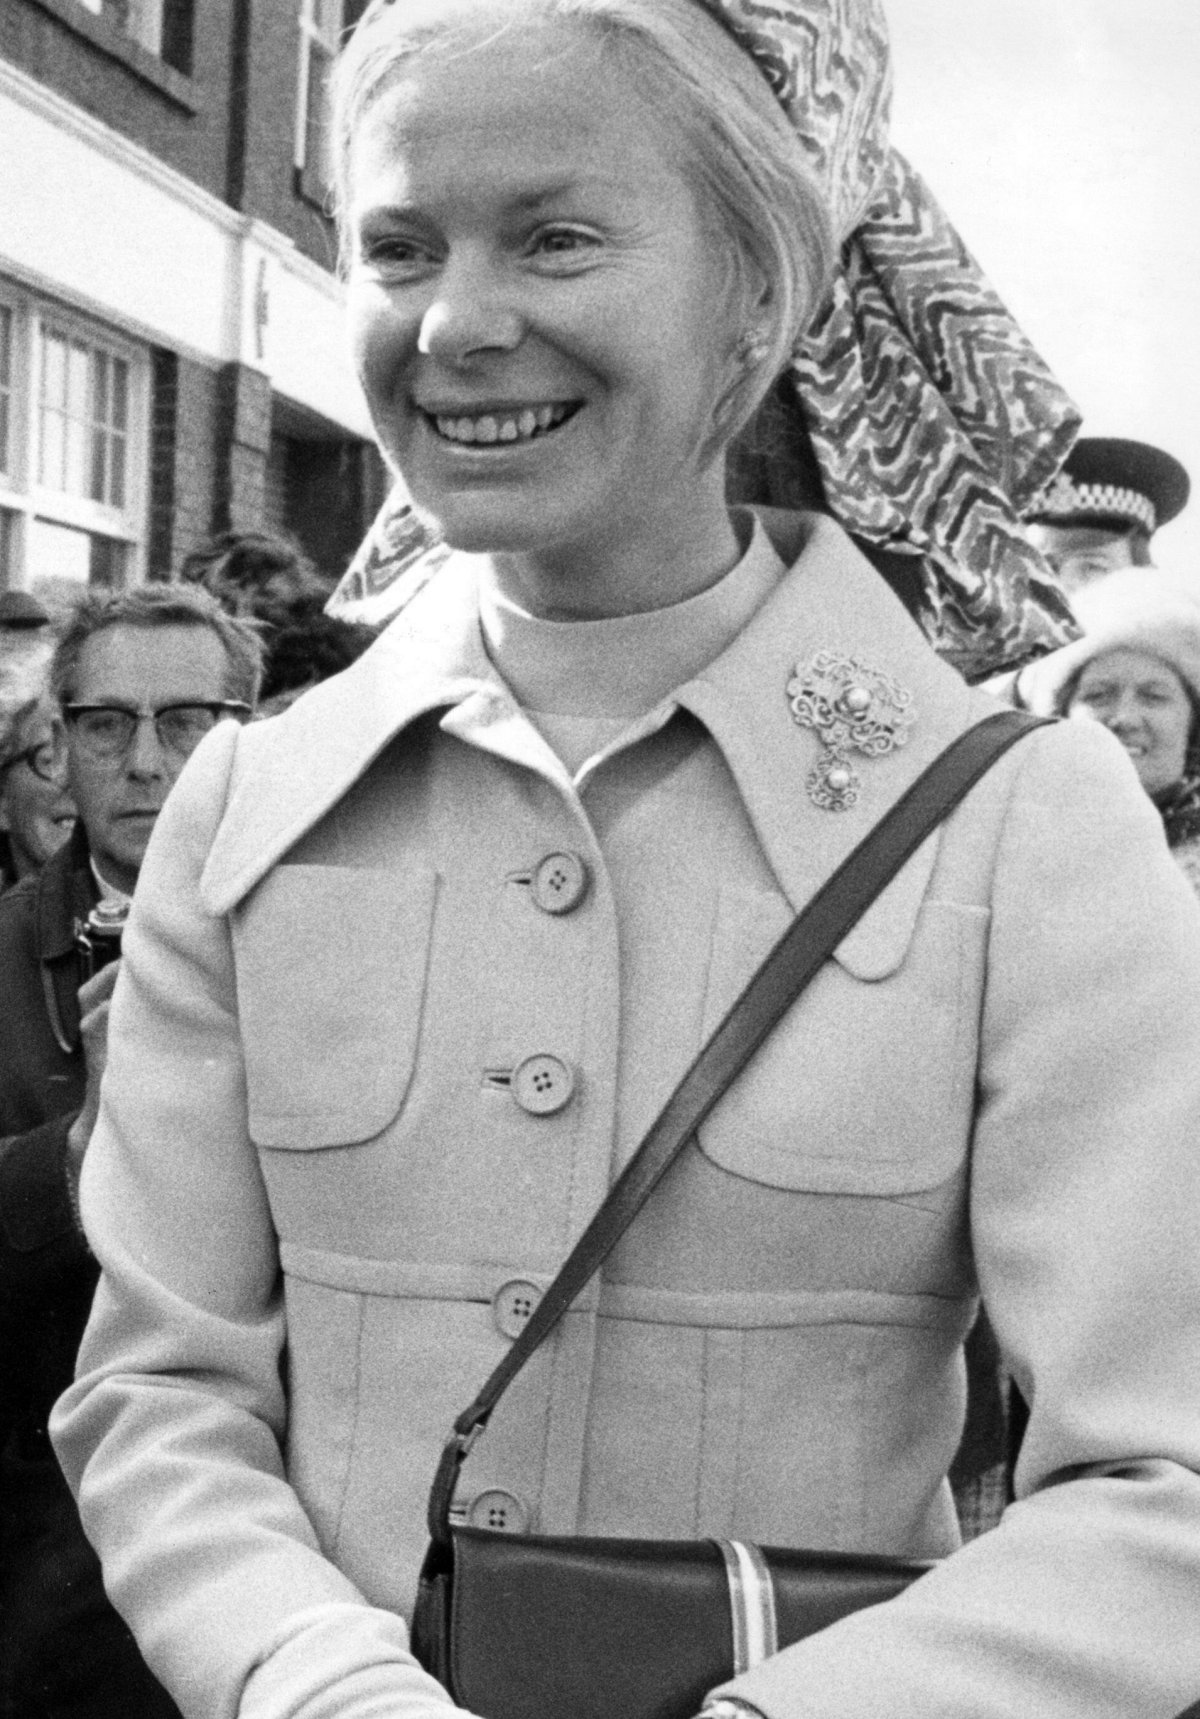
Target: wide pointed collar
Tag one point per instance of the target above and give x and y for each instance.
(432, 657)
(831, 605)
(292, 769)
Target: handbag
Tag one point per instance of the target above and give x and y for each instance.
(571, 1627)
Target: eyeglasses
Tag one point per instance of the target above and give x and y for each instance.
(45, 760)
(107, 731)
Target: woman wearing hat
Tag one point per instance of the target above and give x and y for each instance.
(1137, 670)
(413, 966)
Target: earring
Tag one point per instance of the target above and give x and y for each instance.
(752, 348)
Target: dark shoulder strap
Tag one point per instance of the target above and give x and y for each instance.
(802, 950)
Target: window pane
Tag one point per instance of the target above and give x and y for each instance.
(116, 472)
(120, 394)
(64, 560)
(100, 369)
(54, 370)
(57, 553)
(75, 460)
(99, 463)
(106, 565)
(85, 405)
(78, 380)
(51, 466)
(145, 24)
(318, 131)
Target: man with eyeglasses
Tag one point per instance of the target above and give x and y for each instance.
(138, 680)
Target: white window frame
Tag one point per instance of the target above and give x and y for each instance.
(21, 494)
(316, 44)
(143, 24)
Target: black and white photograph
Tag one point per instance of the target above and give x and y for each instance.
(599, 859)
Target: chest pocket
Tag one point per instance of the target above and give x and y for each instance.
(331, 968)
(867, 1084)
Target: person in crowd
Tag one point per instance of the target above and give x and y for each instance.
(1101, 512)
(1137, 670)
(137, 679)
(28, 798)
(258, 575)
(412, 967)
(306, 650)
(36, 811)
(21, 613)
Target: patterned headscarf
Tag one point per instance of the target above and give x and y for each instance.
(933, 420)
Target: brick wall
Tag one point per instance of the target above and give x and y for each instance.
(190, 425)
(184, 120)
(243, 444)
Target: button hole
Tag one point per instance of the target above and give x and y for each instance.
(498, 1078)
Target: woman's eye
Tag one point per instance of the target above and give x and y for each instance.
(566, 242)
(393, 254)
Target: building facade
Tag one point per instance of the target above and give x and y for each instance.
(172, 356)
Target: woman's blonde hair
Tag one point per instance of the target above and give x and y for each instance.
(730, 138)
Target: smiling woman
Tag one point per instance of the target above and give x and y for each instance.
(1136, 670)
(413, 966)
(568, 338)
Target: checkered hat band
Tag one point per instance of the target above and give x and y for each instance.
(1066, 500)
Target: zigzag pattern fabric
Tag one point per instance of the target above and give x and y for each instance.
(933, 420)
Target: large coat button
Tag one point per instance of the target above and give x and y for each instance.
(543, 1084)
(512, 1305)
(559, 883)
(499, 1510)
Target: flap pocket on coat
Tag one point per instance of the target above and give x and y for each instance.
(866, 1085)
(331, 965)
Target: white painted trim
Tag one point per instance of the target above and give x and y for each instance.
(97, 222)
(52, 107)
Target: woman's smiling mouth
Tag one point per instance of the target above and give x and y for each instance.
(515, 424)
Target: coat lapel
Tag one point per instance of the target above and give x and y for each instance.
(431, 656)
(832, 599)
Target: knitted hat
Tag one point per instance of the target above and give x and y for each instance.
(1135, 609)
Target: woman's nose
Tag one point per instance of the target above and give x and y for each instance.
(470, 314)
(1124, 714)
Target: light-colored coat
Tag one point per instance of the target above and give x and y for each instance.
(310, 1133)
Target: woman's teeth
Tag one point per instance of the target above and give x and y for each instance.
(502, 426)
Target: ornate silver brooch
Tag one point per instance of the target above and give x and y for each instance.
(851, 707)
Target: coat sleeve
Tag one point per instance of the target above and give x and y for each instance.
(38, 1234)
(1085, 1602)
(171, 1436)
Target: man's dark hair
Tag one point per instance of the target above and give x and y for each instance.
(159, 605)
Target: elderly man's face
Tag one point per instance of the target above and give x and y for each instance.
(136, 669)
(1080, 554)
